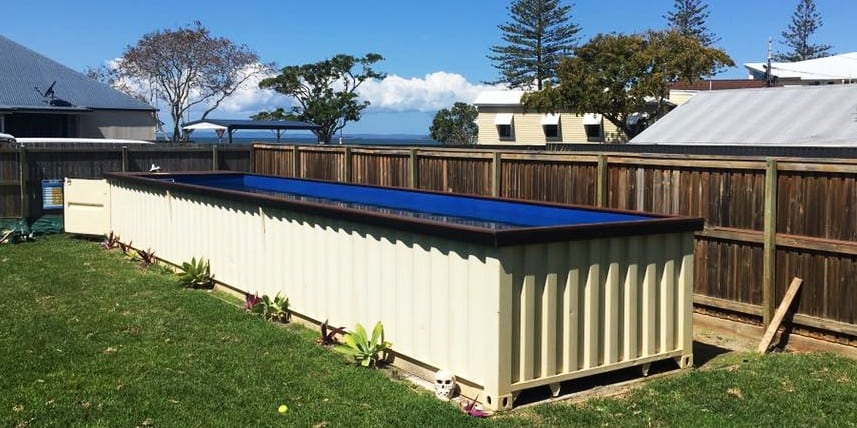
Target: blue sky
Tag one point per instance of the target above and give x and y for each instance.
(435, 51)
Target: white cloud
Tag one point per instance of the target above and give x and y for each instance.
(428, 94)
(249, 99)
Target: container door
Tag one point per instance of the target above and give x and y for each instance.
(86, 205)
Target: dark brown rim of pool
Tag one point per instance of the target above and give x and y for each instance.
(621, 223)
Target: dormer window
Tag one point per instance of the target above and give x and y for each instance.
(503, 122)
(593, 125)
(550, 125)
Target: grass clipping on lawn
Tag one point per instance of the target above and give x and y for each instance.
(89, 339)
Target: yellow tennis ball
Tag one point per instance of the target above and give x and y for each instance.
(283, 409)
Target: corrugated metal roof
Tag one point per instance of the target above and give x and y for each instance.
(835, 67)
(22, 69)
(798, 115)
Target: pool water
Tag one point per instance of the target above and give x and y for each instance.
(479, 212)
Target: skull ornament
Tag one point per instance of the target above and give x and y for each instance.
(444, 385)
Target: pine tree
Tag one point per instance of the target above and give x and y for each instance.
(805, 21)
(537, 36)
(688, 18)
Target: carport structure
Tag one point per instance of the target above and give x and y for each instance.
(229, 126)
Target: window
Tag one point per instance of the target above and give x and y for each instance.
(551, 131)
(594, 133)
(505, 131)
(503, 121)
(592, 125)
(550, 125)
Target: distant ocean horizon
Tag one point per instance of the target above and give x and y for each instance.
(359, 139)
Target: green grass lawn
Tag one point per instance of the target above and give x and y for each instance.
(88, 339)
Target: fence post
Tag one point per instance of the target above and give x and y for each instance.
(296, 161)
(601, 182)
(253, 159)
(215, 158)
(124, 158)
(769, 249)
(24, 171)
(413, 170)
(496, 174)
(346, 160)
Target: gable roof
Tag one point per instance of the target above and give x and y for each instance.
(835, 67)
(797, 115)
(21, 70)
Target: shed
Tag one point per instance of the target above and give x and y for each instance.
(228, 126)
(790, 116)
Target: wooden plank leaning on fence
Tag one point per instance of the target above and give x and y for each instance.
(779, 315)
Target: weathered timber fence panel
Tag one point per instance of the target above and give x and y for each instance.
(468, 173)
(10, 183)
(273, 160)
(821, 202)
(728, 269)
(56, 161)
(728, 194)
(389, 169)
(321, 163)
(550, 178)
(832, 293)
(234, 159)
(767, 220)
(180, 159)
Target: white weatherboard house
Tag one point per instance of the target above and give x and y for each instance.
(502, 120)
(821, 71)
(40, 97)
(780, 116)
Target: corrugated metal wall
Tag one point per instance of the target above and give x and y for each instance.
(506, 319)
(813, 222)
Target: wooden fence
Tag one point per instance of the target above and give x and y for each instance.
(766, 220)
(23, 168)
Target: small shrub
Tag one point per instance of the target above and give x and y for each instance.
(276, 309)
(328, 334)
(363, 348)
(471, 410)
(251, 300)
(146, 258)
(110, 242)
(196, 274)
(126, 248)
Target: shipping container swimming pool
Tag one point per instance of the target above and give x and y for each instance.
(507, 295)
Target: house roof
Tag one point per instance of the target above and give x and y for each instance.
(499, 98)
(22, 70)
(797, 115)
(836, 67)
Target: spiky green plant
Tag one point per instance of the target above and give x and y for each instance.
(276, 309)
(196, 274)
(367, 351)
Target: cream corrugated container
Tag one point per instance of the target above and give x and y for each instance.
(502, 318)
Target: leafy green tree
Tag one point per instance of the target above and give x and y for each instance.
(688, 18)
(186, 67)
(537, 36)
(619, 75)
(455, 125)
(805, 21)
(325, 92)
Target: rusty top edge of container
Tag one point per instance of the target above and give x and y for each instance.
(658, 223)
